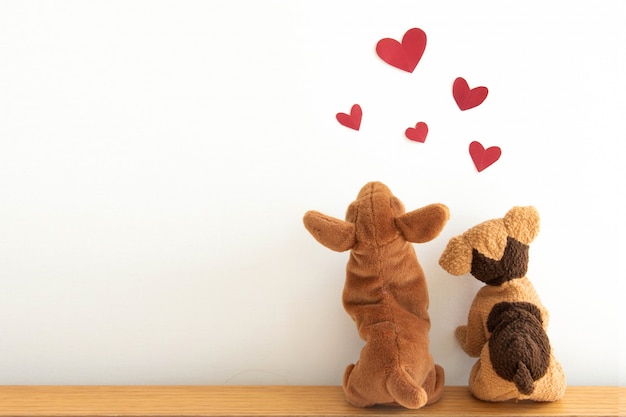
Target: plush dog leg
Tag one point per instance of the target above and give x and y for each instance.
(551, 386)
(353, 395)
(434, 384)
(486, 385)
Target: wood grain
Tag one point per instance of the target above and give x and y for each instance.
(100, 401)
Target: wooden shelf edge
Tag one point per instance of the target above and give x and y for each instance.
(248, 401)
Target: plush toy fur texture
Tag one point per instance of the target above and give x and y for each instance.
(386, 295)
(507, 323)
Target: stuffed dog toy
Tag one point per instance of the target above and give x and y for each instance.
(386, 295)
(506, 325)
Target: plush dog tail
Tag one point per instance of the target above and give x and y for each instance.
(523, 379)
(519, 348)
(406, 391)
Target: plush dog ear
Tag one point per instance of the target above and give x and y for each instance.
(522, 223)
(456, 259)
(424, 224)
(335, 234)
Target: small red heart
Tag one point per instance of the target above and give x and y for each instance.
(417, 133)
(466, 98)
(483, 157)
(352, 120)
(403, 55)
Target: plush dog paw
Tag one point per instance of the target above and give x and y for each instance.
(461, 334)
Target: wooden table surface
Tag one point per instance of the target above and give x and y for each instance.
(88, 401)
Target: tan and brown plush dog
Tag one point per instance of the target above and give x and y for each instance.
(386, 295)
(507, 323)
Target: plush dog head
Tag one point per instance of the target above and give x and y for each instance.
(376, 218)
(494, 251)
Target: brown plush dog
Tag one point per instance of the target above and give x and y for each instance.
(386, 295)
(506, 325)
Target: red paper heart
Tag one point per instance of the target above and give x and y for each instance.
(483, 157)
(466, 98)
(417, 133)
(403, 55)
(352, 120)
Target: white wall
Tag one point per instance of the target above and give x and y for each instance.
(156, 159)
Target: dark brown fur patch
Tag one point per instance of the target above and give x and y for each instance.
(519, 348)
(513, 264)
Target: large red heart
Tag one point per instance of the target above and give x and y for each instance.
(483, 157)
(417, 133)
(466, 98)
(403, 55)
(352, 120)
